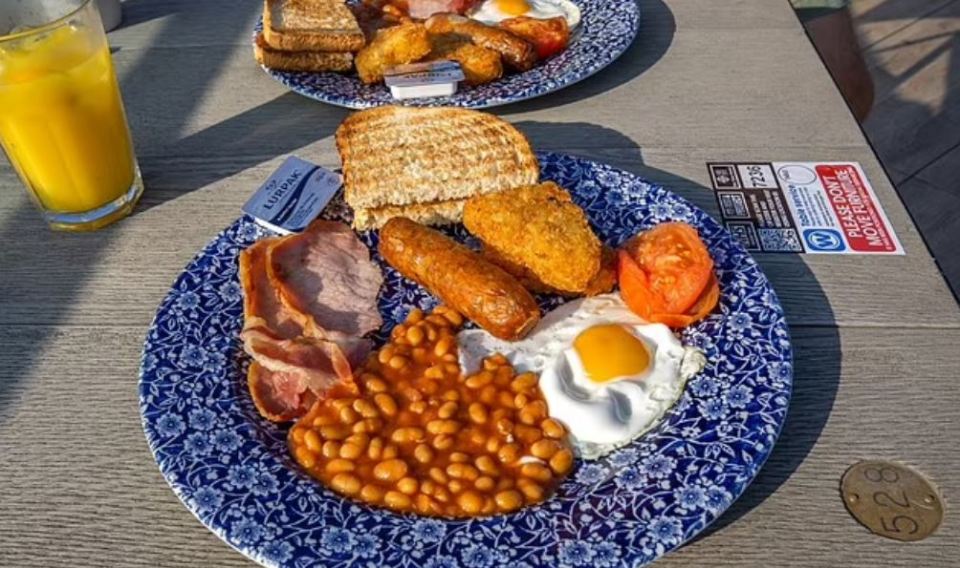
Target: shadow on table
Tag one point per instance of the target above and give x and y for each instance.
(275, 128)
(140, 11)
(216, 21)
(657, 27)
(817, 354)
(51, 282)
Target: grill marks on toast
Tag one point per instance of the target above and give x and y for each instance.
(394, 156)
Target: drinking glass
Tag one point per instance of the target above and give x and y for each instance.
(62, 123)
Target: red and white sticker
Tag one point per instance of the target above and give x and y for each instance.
(817, 208)
(862, 221)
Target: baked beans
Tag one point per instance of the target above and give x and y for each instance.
(423, 438)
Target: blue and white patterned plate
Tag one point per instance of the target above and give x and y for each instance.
(232, 470)
(606, 30)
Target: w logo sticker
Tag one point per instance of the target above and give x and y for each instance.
(827, 240)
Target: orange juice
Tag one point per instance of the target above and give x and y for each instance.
(62, 122)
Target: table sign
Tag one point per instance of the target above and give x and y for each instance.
(891, 500)
(802, 207)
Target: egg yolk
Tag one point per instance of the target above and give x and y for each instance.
(513, 7)
(610, 351)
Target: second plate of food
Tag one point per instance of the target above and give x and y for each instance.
(599, 31)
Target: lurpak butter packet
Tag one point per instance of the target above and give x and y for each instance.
(420, 80)
(293, 196)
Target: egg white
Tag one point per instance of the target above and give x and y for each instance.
(599, 417)
(603, 417)
(489, 13)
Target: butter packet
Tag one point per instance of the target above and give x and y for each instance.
(293, 196)
(420, 80)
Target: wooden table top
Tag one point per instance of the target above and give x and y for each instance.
(876, 373)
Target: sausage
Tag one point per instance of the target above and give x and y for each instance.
(515, 51)
(460, 277)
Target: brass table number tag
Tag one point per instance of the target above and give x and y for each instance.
(892, 500)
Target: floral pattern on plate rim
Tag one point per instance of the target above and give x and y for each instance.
(606, 30)
(232, 470)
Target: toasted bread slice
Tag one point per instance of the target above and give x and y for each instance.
(311, 25)
(437, 213)
(406, 155)
(301, 60)
(539, 234)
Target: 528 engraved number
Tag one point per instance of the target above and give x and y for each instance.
(891, 500)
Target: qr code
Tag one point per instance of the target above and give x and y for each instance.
(780, 240)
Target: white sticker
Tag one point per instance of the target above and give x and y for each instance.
(812, 207)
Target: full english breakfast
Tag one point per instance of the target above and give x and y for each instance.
(486, 38)
(483, 420)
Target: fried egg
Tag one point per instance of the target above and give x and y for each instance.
(493, 11)
(606, 374)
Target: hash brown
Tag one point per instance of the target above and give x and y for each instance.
(397, 45)
(606, 278)
(538, 234)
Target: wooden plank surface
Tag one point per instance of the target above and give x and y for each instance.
(705, 81)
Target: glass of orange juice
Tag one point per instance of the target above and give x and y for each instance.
(62, 123)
